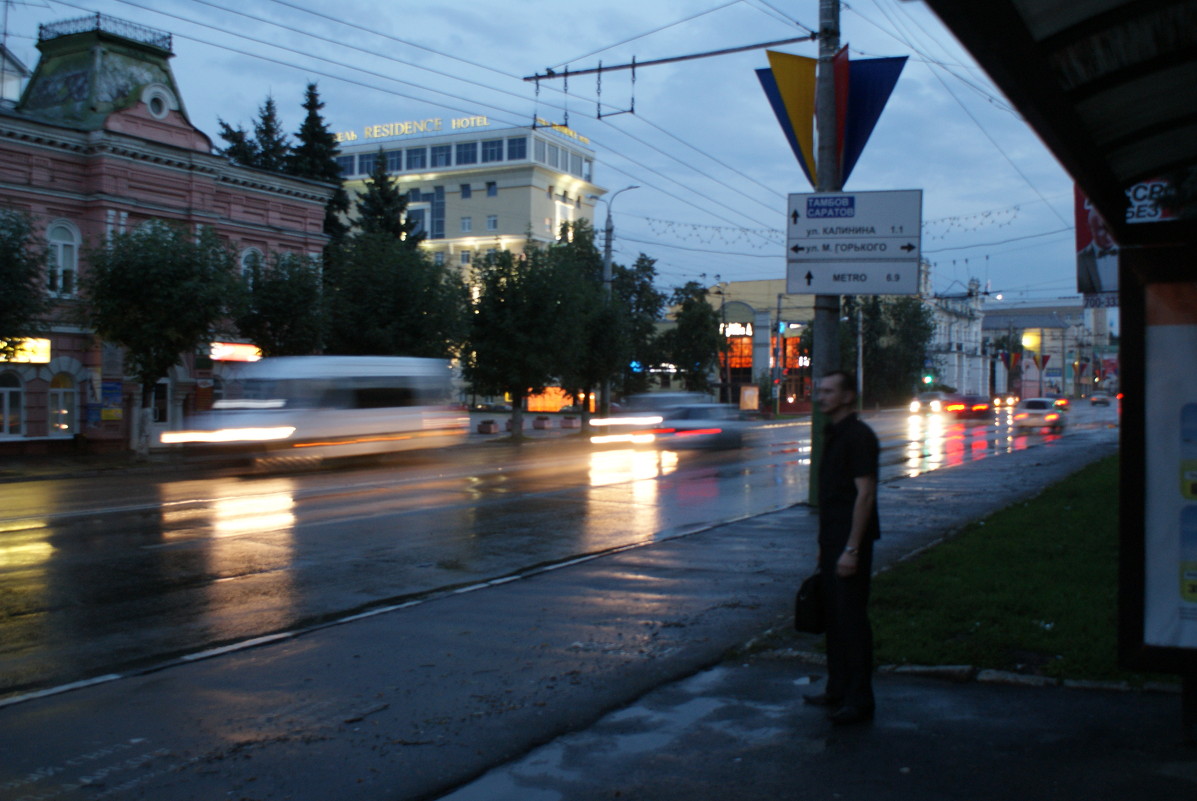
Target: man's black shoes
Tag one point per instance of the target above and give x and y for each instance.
(822, 699)
(848, 715)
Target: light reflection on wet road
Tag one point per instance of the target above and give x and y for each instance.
(105, 573)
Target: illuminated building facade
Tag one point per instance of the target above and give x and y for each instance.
(474, 187)
(99, 143)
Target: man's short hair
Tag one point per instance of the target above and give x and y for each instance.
(847, 379)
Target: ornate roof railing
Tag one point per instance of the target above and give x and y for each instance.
(101, 22)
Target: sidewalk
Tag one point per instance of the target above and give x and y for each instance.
(506, 696)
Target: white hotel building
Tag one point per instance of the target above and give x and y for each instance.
(474, 187)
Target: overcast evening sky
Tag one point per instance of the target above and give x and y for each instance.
(712, 163)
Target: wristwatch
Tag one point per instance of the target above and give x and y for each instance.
(851, 551)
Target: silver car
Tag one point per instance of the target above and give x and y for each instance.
(1039, 413)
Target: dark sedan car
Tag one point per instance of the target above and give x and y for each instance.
(968, 406)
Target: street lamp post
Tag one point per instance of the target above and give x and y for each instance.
(609, 235)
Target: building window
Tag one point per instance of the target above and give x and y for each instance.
(517, 148)
(552, 159)
(438, 258)
(394, 161)
(492, 222)
(348, 164)
(539, 146)
(63, 406)
(64, 258)
(251, 265)
(575, 164)
(467, 153)
(10, 405)
(465, 258)
(417, 158)
(438, 212)
(442, 155)
(465, 191)
(492, 150)
(365, 163)
(467, 224)
(492, 189)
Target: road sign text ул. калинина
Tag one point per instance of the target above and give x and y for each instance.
(854, 243)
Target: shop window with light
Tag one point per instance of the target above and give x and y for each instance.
(11, 397)
(64, 258)
(63, 403)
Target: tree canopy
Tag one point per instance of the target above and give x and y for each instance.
(382, 208)
(692, 344)
(22, 264)
(315, 156)
(158, 291)
(281, 306)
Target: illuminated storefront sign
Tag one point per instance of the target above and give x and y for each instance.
(234, 352)
(30, 351)
(736, 329)
(430, 125)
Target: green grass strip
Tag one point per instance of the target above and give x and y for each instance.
(1033, 589)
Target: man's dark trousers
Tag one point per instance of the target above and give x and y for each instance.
(849, 634)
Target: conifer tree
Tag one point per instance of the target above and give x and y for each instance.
(381, 208)
(315, 157)
(272, 146)
(242, 149)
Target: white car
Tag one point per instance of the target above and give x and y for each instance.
(1039, 413)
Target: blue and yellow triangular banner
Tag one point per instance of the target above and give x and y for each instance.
(863, 88)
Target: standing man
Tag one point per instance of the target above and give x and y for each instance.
(848, 525)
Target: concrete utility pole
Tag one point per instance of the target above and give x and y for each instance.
(825, 346)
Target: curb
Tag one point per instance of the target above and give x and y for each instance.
(961, 674)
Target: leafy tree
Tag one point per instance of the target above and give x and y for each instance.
(386, 299)
(315, 157)
(381, 208)
(157, 291)
(598, 346)
(691, 345)
(517, 332)
(22, 262)
(280, 307)
(897, 331)
(643, 305)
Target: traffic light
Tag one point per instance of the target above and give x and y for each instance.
(928, 379)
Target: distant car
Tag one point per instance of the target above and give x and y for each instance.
(701, 425)
(928, 403)
(1039, 413)
(1008, 400)
(633, 421)
(1099, 398)
(969, 406)
(1061, 401)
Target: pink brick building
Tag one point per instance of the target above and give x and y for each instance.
(99, 142)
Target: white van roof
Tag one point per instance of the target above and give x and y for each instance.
(284, 367)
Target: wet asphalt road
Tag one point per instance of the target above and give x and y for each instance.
(420, 698)
(108, 574)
